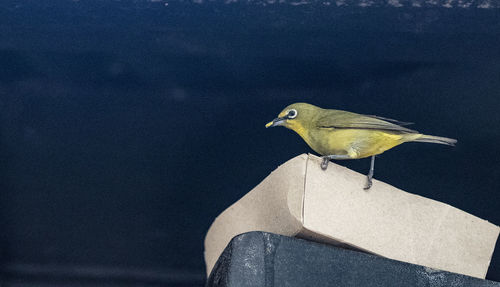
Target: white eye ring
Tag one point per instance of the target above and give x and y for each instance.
(292, 114)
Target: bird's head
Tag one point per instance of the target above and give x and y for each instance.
(295, 116)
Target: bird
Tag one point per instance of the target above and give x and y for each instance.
(339, 135)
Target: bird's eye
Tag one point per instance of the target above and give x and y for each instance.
(292, 114)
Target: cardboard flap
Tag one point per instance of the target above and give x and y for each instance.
(393, 223)
(275, 205)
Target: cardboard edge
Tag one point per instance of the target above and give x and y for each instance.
(319, 237)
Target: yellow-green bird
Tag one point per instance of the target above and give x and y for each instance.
(337, 134)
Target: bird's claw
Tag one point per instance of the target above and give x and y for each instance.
(368, 184)
(324, 164)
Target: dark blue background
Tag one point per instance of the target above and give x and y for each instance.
(127, 127)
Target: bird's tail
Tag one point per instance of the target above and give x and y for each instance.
(435, 139)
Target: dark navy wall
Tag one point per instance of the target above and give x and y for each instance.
(126, 127)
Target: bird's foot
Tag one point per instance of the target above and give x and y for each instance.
(368, 183)
(324, 164)
(370, 174)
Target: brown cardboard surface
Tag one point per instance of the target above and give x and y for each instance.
(275, 205)
(300, 199)
(395, 224)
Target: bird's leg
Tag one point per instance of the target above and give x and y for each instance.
(324, 163)
(370, 174)
(327, 158)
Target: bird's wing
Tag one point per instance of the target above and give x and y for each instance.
(399, 123)
(347, 120)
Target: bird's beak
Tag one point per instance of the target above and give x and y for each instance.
(276, 122)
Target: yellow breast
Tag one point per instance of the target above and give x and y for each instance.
(358, 143)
